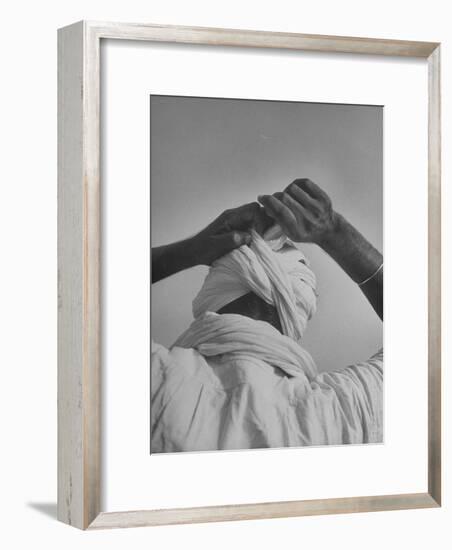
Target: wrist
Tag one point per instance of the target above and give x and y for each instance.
(200, 249)
(190, 252)
(333, 236)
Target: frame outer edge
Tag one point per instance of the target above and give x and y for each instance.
(79, 434)
(263, 39)
(91, 277)
(268, 510)
(434, 276)
(78, 276)
(70, 275)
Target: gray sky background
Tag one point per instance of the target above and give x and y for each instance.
(211, 154)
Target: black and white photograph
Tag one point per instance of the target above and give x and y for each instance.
(267, 274)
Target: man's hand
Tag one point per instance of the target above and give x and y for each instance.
(303, 210)
(305, 214)
(230, 230)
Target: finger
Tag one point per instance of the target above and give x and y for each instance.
(263, 199)
(247, 212)
(280, 212)
(229, 241)
(312, 189)
(302, 197)
(240, 215)
(247, 216)
(256, 217)
(269, 212)
(262, 221)
(296, 207)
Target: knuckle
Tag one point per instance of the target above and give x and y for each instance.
(237, 238)
(293, 227)
(278, 206)
(301, 181)
(326, 200)
(251, 206)
(249, 211)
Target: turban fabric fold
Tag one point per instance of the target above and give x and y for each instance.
(272, 268)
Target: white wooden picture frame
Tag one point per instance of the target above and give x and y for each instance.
(79, 313)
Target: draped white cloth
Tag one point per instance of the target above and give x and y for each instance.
(230, 382)
(241, 337)
(235, 383)
(274, 270)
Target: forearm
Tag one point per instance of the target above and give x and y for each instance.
(172, 258)
(358, 258)
(227, 232)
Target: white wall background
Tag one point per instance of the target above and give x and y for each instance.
(213, 154)
(28, 274)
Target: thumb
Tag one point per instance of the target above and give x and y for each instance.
(232, 240)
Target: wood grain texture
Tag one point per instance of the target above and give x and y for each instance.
(434, 276)
(70, 275)
(110, 520)
(78, 277)
(79, 308)
(261, 39)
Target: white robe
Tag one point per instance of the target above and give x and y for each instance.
(234, 383)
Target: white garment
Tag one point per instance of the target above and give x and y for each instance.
(230, 382)
(235, 383)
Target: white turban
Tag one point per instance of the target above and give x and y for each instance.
(274, 270)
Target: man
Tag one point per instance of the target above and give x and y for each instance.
(239, 376)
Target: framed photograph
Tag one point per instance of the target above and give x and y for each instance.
(225, 201)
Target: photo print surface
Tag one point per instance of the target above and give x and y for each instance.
(267, 274)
